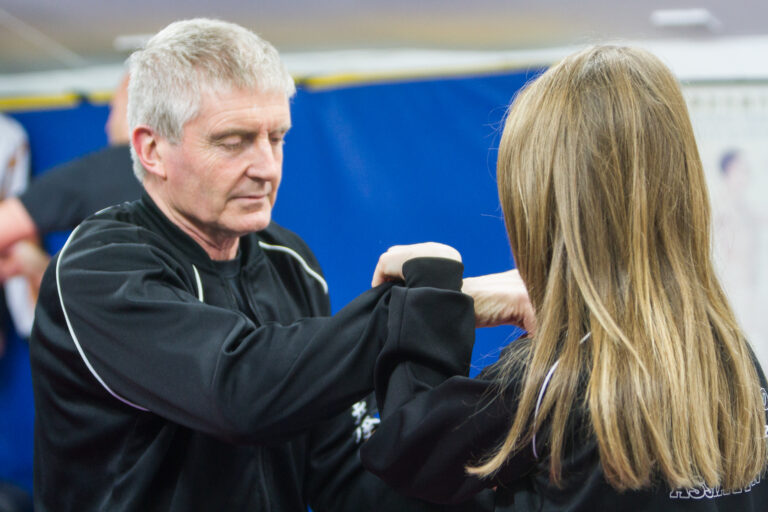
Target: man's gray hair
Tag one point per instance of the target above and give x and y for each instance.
(186, 58)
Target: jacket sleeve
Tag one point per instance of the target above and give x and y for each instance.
(148, 340)
(434, 420)
(337, 481)
(430, 308)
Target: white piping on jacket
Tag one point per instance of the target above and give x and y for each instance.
(303, 263)
(74, 336)
(538, 404)
(199, 284)
(543, 390)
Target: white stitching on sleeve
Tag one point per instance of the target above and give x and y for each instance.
(72, 331)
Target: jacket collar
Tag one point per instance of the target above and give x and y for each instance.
(182, 241)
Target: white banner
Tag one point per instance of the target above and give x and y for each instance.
(731, 126)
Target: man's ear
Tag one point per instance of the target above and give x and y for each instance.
(146, 144)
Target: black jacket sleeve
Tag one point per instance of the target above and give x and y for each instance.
(429, 305)
(148, 340)
(151, 343)
(435, 420)
(339, 483)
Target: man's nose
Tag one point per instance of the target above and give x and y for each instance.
(264, 159)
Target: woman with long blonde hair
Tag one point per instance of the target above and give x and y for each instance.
(637, 390)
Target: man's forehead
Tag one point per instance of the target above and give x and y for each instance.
(256, 97)
(244, 104)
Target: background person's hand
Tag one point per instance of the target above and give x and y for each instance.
(390, 265)
(9, 266)
(27, 259)
(501, 299)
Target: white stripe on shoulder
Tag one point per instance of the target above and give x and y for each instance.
(538, 404)
(544, 389)
(303, 263)
(72, 331)
(199, 284)
(104, 209)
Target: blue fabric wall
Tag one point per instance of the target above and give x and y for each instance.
(366, 167)
(372, 166)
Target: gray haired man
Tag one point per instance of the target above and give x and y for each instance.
(184, 356)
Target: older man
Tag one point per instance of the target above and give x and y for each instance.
(183, 354)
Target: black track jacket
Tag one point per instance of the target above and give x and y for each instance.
(428, 434)
(153, 391)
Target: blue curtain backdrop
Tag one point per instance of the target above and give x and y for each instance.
(366, 167)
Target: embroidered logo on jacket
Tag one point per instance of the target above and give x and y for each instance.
(709, 493)
(364, 422)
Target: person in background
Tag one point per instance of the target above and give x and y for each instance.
(61, 198)
(16, 296)
(14, 175)
(637, 391)
(184, 356)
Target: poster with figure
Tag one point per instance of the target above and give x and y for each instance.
(731, 126)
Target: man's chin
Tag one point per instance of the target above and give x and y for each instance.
(257, 223)
(243, 223)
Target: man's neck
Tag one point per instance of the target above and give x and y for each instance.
(220, 248)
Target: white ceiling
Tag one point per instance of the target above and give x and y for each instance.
(41, 35)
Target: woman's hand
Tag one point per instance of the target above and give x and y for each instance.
(501, 299)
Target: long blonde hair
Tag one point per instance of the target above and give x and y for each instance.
(608, 217)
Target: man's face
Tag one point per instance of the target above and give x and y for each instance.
(222, 177)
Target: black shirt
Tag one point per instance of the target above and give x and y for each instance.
(63, 197)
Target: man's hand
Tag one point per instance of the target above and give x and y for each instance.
(390, 266)
(501, 299)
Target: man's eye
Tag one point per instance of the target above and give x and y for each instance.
(232, 142)
(277, 141)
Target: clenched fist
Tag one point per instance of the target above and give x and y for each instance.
(390, 266)
(501, 299)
